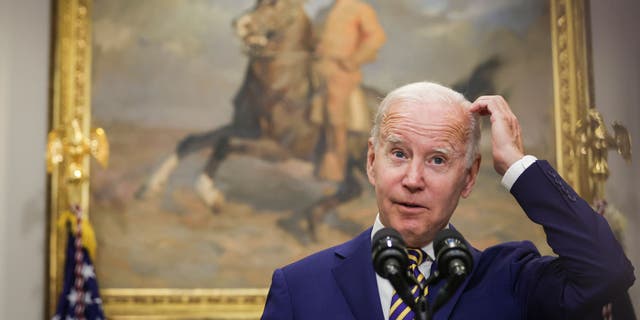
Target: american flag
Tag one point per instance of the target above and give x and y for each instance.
(80, 299)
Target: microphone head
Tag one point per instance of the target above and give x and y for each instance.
(388, 247)
(449, 245)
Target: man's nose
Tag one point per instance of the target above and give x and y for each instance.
(413, 178)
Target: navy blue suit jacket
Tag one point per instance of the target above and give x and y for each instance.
(508, 281)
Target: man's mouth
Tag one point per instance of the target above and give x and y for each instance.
(409, 204)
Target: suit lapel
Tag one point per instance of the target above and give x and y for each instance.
(356, 278)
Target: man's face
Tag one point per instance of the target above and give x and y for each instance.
(418, 168)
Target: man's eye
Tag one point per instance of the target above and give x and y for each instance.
(398, 154)
(438, 160)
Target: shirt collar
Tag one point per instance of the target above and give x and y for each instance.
(377, 225)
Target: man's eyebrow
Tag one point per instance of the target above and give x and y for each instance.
(445, 151)
(393, 139)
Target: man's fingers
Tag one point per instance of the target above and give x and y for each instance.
(481, 108)
(496, 107)
(505, 130)
(488, 105)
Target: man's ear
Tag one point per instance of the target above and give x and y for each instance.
(371, 157)
(471, 177)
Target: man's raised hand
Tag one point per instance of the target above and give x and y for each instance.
(506, 135)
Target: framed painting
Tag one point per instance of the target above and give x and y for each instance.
(214, 181)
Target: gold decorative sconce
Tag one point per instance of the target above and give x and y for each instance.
(594, 142)
(70, 144)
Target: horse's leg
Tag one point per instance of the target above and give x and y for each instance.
(205, 186)
(265, 149)
(312, 215)
(158, 178)
(190, 144)
(262, 148)
(349, 189)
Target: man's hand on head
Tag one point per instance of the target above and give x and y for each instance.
(506, 136)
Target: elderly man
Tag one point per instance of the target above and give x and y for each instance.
(422, 158)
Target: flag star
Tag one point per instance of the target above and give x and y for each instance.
(72, 297)
(56, 317)
(87, 298)
(97, 300)
(87, 271)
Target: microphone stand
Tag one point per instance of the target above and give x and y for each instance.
(421, 311)
(421, 308)
(399, 282)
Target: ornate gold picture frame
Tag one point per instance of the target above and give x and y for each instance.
(71, 125)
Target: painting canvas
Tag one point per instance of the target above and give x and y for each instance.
(167, 70)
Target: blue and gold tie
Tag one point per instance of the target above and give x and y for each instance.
(399, 310)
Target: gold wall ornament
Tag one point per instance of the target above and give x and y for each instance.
(71, 111)
(69, 146)
(594, 143)
(67, 150)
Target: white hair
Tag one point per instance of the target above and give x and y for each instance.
(422, 93)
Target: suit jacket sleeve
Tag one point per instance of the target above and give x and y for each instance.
(278, 305)
(591, 267)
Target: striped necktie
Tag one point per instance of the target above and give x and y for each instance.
(399, 310)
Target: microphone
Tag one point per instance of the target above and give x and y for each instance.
(452, 254)
(454, 262)
(391, 262)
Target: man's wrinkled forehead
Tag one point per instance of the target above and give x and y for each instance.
(392, 141)
(452, 121)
